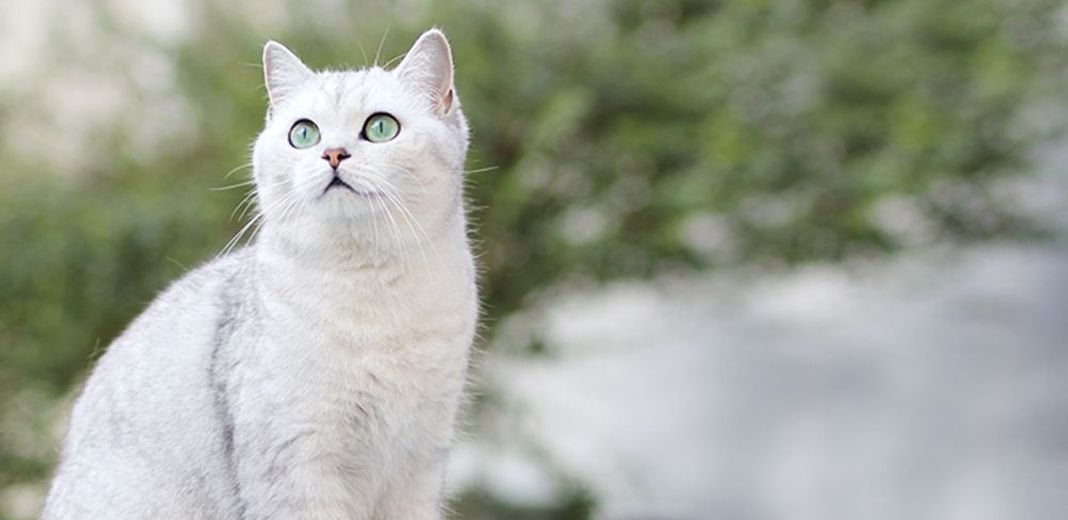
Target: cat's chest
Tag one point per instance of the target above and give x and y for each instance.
(361, 353)
(362, 359)
(359, 367)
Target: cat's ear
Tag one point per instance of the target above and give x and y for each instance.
(283, 71)
(427, 68)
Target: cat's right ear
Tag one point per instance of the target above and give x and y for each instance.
(283, 71)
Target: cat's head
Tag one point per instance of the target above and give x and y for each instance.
(357, 153)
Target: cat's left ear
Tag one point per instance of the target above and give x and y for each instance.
(428, 69)
(283, 71)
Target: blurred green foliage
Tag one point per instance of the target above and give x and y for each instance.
(616, 138)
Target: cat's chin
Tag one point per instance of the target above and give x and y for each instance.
(347, 203)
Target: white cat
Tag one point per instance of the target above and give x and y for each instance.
(317, 373)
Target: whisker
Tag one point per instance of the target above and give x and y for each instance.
(418, 239)
(374, 233)
(237, 237)
(481, 170)
(394, 229)
(362, 51)
(237, 168)
(393, 59)
(393, 196)
(258, 220)
(378, 51)
(232, 186)
(246, 204)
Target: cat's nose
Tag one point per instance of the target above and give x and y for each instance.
(334, 156)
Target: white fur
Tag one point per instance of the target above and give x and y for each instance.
(317, 373)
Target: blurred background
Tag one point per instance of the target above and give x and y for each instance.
(745, 259)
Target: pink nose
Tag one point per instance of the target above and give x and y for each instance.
(335, 155)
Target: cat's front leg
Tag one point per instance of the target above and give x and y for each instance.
(295, 478)
(416, 497)
(292, 464)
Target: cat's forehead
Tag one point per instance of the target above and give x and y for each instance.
(361, 89)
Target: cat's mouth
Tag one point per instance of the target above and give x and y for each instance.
(336, 182)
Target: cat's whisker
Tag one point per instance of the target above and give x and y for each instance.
(252, 224)
(414, 225)
(237, 168)
(393, 196)
(374, 233)
(395, 228)
(385, 210)
(420, 235)
(392, 199)
(237, 237)
(374, 220)
(245, 205)
(381, 42)
(393, 59)
(392, 232)
(363, 52)
(248, 202)
(259, 218)
(283, 207)
(292, 203)
(292, 199)
(482, 170)
(395, 303)
(249, 182)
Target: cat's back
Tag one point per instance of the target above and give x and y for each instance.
(148, 416)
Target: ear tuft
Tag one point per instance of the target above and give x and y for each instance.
(427, 68)
(283, 71)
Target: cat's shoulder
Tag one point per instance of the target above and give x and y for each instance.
(199, 290)
(180, 323)
(212, 276)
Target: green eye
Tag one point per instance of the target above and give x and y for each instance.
(304, 134)
(381, 127)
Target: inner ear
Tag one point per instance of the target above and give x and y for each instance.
(446, 103)
(427, 69)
